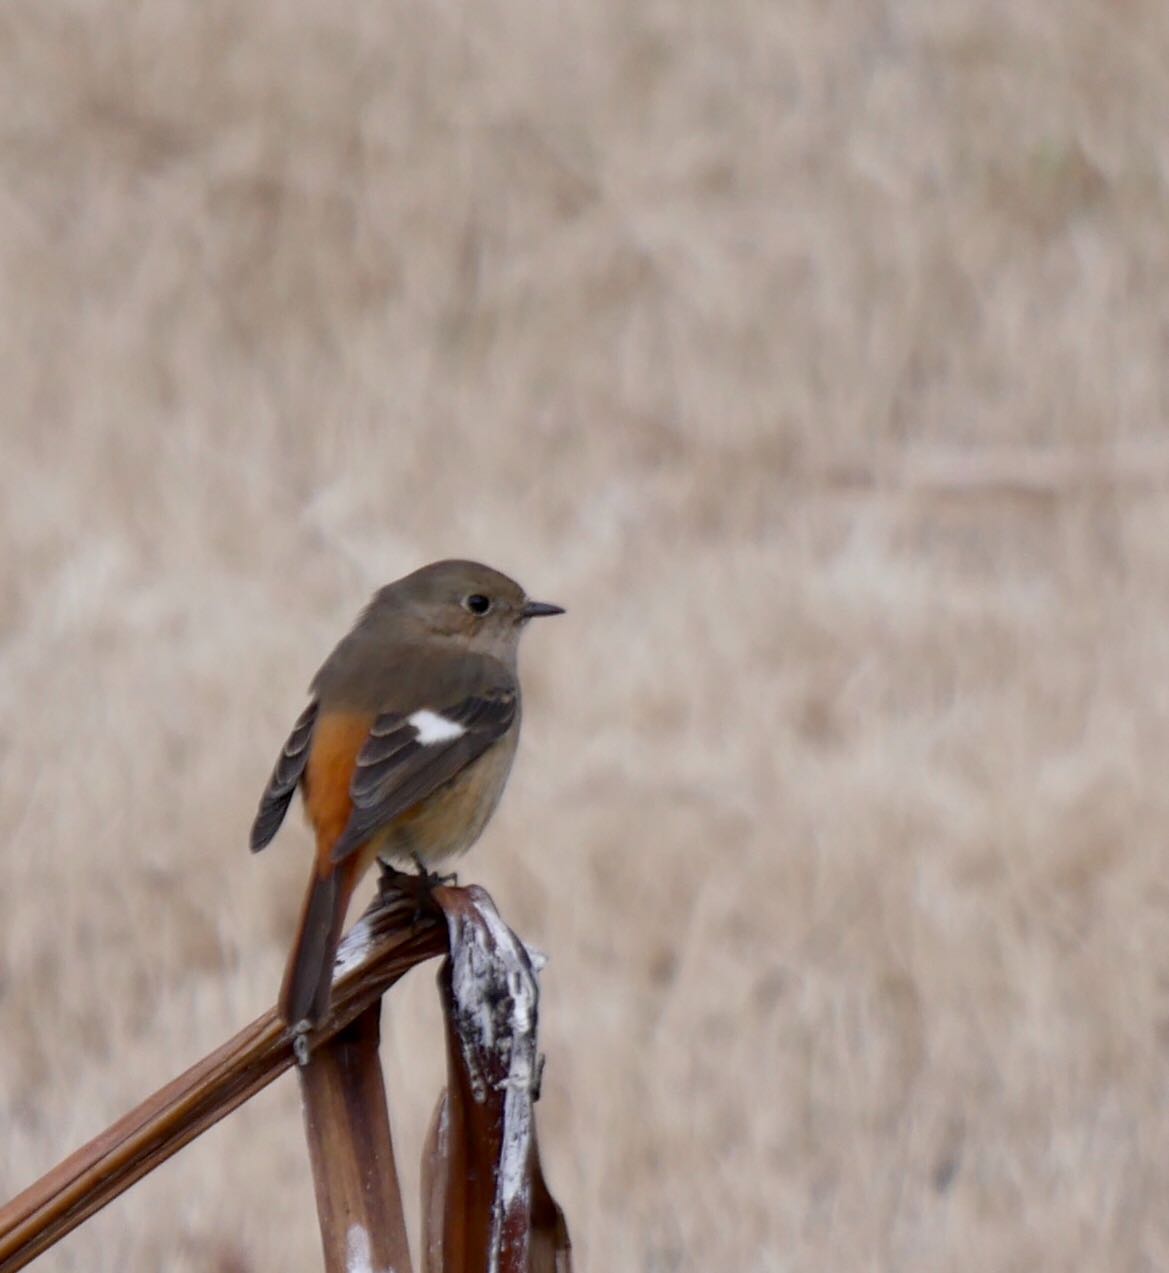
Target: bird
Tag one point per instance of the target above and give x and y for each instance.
(403, 750)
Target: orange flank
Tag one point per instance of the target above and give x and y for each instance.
(337, 738)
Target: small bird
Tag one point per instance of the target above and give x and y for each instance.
(403, 750)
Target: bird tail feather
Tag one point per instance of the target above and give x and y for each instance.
(308, 979)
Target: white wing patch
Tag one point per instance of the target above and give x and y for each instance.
(433, 728)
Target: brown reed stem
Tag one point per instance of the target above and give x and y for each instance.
(347, 1125)
(385, 944)
(485, 1203)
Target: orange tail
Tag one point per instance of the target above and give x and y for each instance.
(308, 979)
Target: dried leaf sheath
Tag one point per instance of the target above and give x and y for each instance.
(485, 1203)
(381, 948)
(347, 1125)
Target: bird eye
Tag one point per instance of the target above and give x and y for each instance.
(477, 603)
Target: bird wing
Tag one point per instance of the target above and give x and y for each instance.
(287, 773)
(409, 755)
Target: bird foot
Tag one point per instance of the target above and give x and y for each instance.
(426, 882)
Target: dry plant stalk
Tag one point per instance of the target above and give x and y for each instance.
(347, 1125)
(485, 1203)
(384, 945)
(486, 1206)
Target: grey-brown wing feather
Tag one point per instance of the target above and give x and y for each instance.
(396, 769)
(285, 776)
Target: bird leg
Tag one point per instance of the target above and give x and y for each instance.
(426, 882)
(432, 879)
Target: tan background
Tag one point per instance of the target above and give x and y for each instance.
(817, 363)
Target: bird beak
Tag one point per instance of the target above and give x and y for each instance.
(537, 609)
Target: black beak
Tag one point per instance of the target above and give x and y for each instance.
(537, 609)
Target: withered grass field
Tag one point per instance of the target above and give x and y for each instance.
(815, 357)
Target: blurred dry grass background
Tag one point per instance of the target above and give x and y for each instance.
(814, 355)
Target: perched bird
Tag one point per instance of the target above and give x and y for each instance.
(403, 750)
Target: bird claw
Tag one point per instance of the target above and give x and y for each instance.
(426, 883)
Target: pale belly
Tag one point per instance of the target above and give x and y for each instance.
(449, 821)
